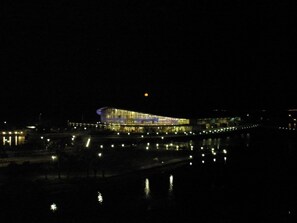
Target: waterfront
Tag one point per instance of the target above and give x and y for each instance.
(254, 183)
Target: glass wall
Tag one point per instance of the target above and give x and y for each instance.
(125, 117)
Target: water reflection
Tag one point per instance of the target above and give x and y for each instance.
(170, 184)
(100, 198)
(12, 141)
(147, 188)
(53, 207)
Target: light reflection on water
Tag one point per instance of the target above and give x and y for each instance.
(170, 183)
(147, 188)
(100, 198)
(12, 141)
(178, 183)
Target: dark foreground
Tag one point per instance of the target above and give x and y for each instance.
(255, 183)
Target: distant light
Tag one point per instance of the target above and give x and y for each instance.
(88, 142)
(100, 154)
(147, 188)
(100, 198)
(54, 157)
(31, 127)
(171, 183)
(53, 207)
(146, 94)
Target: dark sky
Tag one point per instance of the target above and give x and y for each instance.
(64, 58)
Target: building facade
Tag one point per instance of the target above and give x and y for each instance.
(126, 121)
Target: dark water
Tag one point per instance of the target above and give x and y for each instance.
(252, 179)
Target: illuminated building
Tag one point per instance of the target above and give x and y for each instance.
(126, 121)
(131, 121)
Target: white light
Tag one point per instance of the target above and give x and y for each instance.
(88, 142)
(147, 188)
(100, 198)
(31, 127)
(53, 207)
(48, 140)
(147, 148)
(123, 145)
(100, 154)
(41, 137)
(54, 157)
(224, 151)
(202, 161)
(214, 159)
(171, 183)
(190, 156)
(112, 145)
(191, 163)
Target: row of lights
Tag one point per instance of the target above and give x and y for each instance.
(12, 133)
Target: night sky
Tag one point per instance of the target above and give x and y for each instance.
(66, 59)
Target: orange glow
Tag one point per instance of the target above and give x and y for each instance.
(145, 94)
